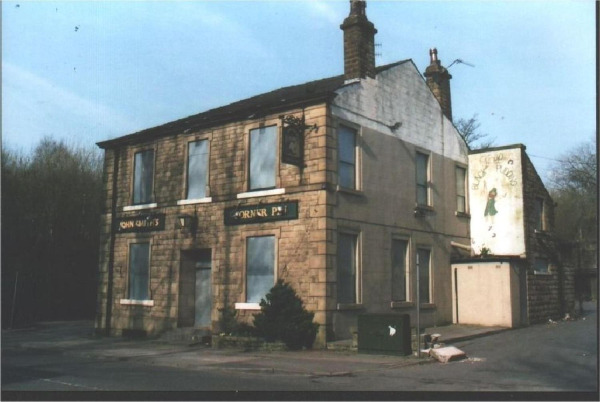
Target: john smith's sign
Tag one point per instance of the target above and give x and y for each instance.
(261, 213)
(142, 223)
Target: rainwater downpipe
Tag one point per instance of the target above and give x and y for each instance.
(111, 256)
(418, 303)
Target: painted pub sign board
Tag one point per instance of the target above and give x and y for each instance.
(260, 213)
(142, 223)
(496, 202)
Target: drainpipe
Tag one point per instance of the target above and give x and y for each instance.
(111, 256)
(418, 303)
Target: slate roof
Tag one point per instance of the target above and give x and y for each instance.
(281, 99)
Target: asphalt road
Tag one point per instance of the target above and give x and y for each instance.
(548, 357)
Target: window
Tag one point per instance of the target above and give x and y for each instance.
(461, 198)
(347, 268)
(263, 150)
(260, 267)
(347, 157)
(539, 214)
(422, 179)
(399, 282)
(139, 269)
(541, 265)
(197, 169)
(143, 177)
(423, 263)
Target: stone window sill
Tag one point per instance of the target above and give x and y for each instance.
(352, 191)
(138, 207)
(247, 306)
(131, 302)
(204, 200)
(543, 273)
(263, 193)
(350, 306)
(401, 304)
(462, 214)
(427, 305)
(542, 232)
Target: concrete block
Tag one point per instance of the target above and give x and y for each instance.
(447, 354)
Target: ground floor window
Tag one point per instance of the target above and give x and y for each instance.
(424, 265)
(347, 268)
(139, 271)
(541, 265)
(399, 282)
(260, 267)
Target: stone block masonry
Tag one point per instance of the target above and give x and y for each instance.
(300, 243)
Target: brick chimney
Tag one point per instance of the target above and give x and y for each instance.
(359, 42)
(438, 80)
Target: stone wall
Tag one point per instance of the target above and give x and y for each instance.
(544, 290)
(300, 245)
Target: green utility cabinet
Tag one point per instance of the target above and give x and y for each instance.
(384, 334)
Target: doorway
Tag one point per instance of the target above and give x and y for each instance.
(195, 288)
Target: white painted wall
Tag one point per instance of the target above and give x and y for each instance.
(502, 229)
(400, 94)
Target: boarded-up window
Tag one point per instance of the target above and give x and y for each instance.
(461, 198)
(143, 177)
(263, 149)
(347, 157)
(197, 169)
(399, 288)
(422, 179)
(260, 267)
(139, 269)
(423, 262)
(346, 268)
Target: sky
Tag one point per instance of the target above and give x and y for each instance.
(87, 71)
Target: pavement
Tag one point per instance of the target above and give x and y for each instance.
(76, 338)
(554, 356)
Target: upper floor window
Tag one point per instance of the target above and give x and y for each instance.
(143, 177)
(539, 214)
(422, 169)
(263, 151)
(461, 193)
(139, 271)
(347, 157)
(197, 169)
(260, 267)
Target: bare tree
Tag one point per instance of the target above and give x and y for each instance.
(574, 188)
(469, 130)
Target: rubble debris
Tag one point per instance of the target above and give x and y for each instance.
(447, 354)
(551, 321)
(473, 360)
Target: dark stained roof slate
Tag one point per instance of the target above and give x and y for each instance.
(280, 99)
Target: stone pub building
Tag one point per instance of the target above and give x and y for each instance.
(345, 187)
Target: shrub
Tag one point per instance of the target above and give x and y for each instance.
(283, 317)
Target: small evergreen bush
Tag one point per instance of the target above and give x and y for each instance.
(284, 318)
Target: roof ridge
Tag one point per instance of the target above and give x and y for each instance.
(307, 92)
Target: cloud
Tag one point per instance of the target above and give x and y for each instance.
(324, 10)
(34, 106)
